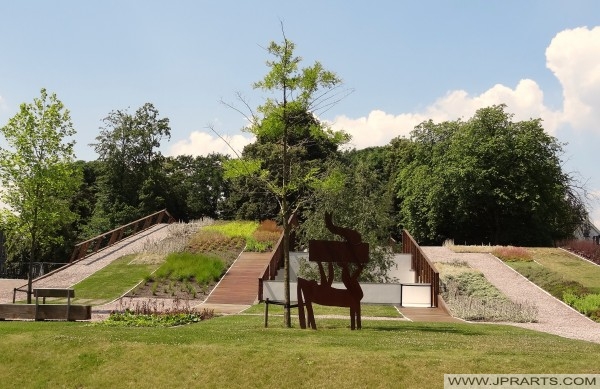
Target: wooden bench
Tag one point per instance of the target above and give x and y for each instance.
(52, 292)
(276, 302)
(45, 311)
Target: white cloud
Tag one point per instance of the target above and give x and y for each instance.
(526, 101)
(378, 128)
(202, 143)
(574, 58)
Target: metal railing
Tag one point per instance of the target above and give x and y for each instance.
(424, 269)
(90, 246)
(20, 270)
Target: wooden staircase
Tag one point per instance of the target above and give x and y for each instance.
(239, 286)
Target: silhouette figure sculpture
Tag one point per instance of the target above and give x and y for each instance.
(351, 251)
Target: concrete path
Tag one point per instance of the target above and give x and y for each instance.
(554, 316)
(70, 275)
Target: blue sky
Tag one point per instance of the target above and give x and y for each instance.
(406, 61)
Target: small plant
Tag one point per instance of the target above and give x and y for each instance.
(154, 314)
(589, 304)
(264, 238)
(256, 246)
(512, 254)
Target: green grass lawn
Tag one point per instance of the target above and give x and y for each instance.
(366, 310)
(236, 351)
(566, 277)
(112, 281)
(568, 266)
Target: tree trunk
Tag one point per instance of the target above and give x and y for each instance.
(30, 281)
(30, 272)
(287, 318)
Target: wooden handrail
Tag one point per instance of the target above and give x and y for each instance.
(423, 267)
(272, 267)
(90, 246)
(276, 259)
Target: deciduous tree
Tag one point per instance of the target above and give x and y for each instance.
(39, 176)
(131, 184)
(488, 180)
(283, 170)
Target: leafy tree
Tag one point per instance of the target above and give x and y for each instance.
(131, 184)
(247, 199)
(488, 179)
(282, 169)
(39, 177)
(252, 200)
(195, 185)
(363, 203)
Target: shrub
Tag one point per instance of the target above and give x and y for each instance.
(584, 248)
(513, 254)
(589, 304)
(270, 226)
(262, 240)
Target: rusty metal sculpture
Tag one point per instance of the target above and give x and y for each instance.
(351, 251)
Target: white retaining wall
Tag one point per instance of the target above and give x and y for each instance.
(403, 291)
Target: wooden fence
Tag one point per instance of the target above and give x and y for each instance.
(424, 269)
(107, 239)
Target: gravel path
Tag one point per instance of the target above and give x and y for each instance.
(554, 316)
(78, 271)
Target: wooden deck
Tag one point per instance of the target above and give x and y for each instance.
(428, 315)
(239, 286)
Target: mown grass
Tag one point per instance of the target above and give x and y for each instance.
(568, 266)
(366, 310)
(112, 281)
(566, 277)
(237, 352)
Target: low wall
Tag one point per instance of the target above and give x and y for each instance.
(45, 312)
(407, 295)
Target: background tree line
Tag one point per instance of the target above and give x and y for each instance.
(488, 179)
